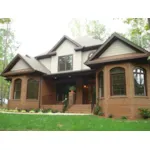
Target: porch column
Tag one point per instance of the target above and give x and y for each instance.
(79, 91)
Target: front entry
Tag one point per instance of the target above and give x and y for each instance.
(62, 90)
(89, 92)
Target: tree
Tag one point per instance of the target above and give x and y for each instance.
(88, 27)
(8, 46)
(139, 31)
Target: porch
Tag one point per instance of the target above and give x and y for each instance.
(56, 88)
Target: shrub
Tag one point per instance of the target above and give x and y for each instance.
(23, 111)
(65, 105)
(144, 112)
(97, 109)
(32, 111)
(46, 110)
(100, 113)
(37, 110)
(55, 111)
(110, 116)
(123, 117)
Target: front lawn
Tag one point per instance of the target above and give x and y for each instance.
(9, 122)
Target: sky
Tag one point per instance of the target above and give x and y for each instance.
(39, 24)
(36, 36)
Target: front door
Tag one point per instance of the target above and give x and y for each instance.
(89, 92)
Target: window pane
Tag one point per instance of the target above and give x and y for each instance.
(17, 89)
(32, 89)
(139, 81)
(61, 63)
(65, 63)
(69, 62)
(101, 84)
(118, 86)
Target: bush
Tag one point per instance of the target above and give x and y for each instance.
(65, 105)
(23, 111)
(100, 113)
(110, 116)
(46, 110)
(123, 117)
(144, 112)
(38, 110)
(32, 111)
(55, 111)
(97, 109)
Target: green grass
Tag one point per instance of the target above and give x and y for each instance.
(20, 122)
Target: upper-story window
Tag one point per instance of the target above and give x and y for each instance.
(65, 63)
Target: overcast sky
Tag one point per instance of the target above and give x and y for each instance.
(39, 24)
(36, 36)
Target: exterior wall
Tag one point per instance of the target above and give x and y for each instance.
(84, 59)
(48, 92)
(46, 62)
(67, 48)
(20, 65)
(124, 105)
(23, 103)
(117, 48)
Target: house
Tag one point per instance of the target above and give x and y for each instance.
(116, 73)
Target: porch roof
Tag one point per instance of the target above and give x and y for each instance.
(72, 73)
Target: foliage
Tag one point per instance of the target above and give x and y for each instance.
(144, 112)
(72, 88)
(8, 46)
(110, 116)
(55, 111)
(46, 110)
(65, 105)
(139, 31)
(23, 111)
(123, 117)
(100, 113)
(88, 27)
(97, 109)
(32, 111)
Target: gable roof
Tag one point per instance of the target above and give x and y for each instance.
(61, 41)
(88, 41)
(32, 62)
(115, 36)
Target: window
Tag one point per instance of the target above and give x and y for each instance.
(17, 89)
(139, 81)
(32, 89)
(65, 63)
(117, 78)
(101, 84)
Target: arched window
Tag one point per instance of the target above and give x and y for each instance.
(117, 81)
(17, 89)
(101, 84)
(139, 81)
(32, 89)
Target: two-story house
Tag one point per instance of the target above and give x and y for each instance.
(116, 73)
